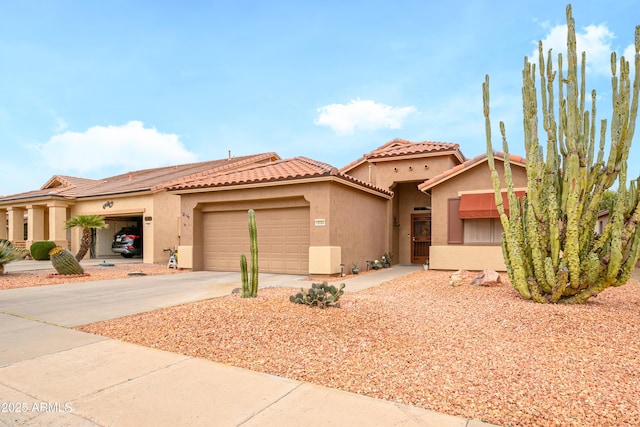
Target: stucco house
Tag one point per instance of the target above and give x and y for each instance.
(405, 198)
(136, 198)
(423, 202)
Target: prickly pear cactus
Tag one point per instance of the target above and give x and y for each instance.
(321, 295)
(64, 262)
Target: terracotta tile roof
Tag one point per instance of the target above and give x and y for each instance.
(237, 163)
(292, 169)
(59, 182)
(471, 163)
(143, 180)
(403, 148)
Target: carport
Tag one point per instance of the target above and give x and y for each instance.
(104, 236)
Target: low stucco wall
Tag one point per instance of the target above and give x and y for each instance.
(461, 257)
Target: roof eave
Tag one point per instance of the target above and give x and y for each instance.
(36, 199)
(278, 182)
(422, 187)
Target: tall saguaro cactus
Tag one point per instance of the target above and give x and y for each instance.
(551, 251)
(250, 285)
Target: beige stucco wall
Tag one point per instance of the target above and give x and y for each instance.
(359, 224)
(477, 178)
(354, 220)
(466, 257)
(159, 212)
(4, 223)
(165, 225)
(386, 172)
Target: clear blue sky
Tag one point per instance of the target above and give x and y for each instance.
(97, 88)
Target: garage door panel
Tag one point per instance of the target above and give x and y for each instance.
(283, 240)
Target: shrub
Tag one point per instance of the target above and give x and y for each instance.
(8, 254)
(320, 294)
(40, 250)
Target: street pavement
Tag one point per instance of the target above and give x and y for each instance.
(53, 375)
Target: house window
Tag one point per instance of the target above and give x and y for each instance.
(485, 231)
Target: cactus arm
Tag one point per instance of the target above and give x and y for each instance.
(246, 292)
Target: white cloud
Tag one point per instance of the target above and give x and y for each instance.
(127, 147)
(630, 54)
(595, 40)
(344, 119)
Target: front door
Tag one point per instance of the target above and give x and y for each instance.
(420, 237)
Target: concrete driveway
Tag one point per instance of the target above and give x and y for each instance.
(53, 375)
(77, 304)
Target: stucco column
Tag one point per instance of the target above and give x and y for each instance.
(35, 224)
(3, 224)
(57, 220)
(16, 225)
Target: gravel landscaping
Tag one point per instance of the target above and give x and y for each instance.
(44, 277)
(477, 352)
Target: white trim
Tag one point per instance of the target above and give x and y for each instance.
(503, 190)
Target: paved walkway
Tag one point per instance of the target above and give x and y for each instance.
(53, 375)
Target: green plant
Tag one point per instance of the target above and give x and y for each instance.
(550, 249)
(86, 222)
(64, 262)
(40, 250)
(609, 198)
(320, 294)
(250, 285)
(8, 254)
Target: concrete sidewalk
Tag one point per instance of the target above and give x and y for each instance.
(53, 375)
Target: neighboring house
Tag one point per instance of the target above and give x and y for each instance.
(135, 199)
(603, 220)
(423, 202)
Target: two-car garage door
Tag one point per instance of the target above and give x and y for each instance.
(283, 240)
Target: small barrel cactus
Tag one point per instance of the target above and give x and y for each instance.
(64, 262)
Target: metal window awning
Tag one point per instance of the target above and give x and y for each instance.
(483, 205)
